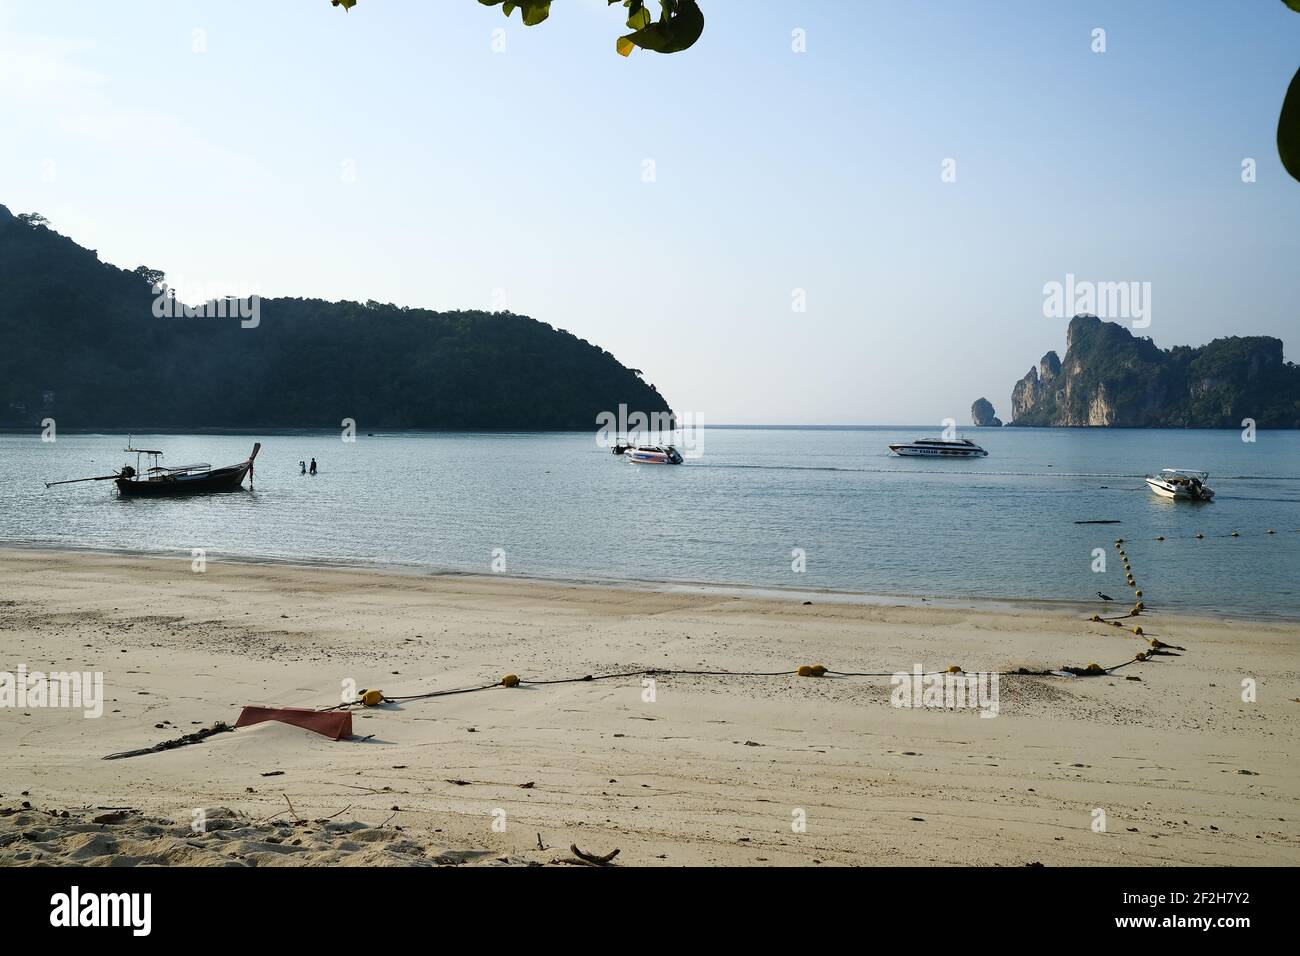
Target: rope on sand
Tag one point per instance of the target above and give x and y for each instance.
(804, 670)
(373, 698)
(220, 727)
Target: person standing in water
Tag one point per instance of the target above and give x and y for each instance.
(302, 467)
(313, 466)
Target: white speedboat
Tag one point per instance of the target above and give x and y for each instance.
(938, 448)
(650, 454)
(1182, 484)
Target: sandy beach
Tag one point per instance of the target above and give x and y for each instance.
(771, 770)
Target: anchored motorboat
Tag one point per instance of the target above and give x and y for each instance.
(649, 454)
(938, 448)
(1182, 484)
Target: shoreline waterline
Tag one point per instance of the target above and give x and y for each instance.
(752, 592)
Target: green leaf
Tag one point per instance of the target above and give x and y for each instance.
(1293, 4)
(679, 25)
(1288, 129)
(532, 12)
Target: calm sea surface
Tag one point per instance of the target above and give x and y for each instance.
(868, 522)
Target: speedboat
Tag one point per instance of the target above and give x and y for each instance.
(1181, 484)
(652, 454)
(938, 448)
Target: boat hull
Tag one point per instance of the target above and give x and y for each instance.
(909, 451)
(230, 478)
(1178, 492)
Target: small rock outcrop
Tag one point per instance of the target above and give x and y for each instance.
(984, 415)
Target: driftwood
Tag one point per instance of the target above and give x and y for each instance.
(592, 859)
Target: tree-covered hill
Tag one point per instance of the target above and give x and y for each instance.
(80, 342)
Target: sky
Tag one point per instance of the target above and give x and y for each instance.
(825, 212)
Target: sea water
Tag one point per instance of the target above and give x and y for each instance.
(802, 508)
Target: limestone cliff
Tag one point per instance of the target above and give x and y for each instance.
(1109, 377)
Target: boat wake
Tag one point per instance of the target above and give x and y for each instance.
(982, 471)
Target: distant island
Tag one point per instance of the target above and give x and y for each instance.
(1109, 377)
(82, 341)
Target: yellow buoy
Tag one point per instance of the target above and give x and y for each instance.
(818, 670)
(372, 697)
(1138, 593)
(954, 669)
(510, 680)
(804, 670)
(1140, 656)
(1138, 630)
(1095, 617)
(1095, 669)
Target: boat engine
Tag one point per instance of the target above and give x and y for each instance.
(128, 472)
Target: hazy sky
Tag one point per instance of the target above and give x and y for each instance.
(390, 153)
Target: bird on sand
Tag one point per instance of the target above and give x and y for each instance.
(1105, 597)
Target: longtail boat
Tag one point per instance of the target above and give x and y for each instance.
(155, 478)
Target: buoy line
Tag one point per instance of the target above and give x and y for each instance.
(373, 698)
(1201, 536)
(803, 670)
(370, 698)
